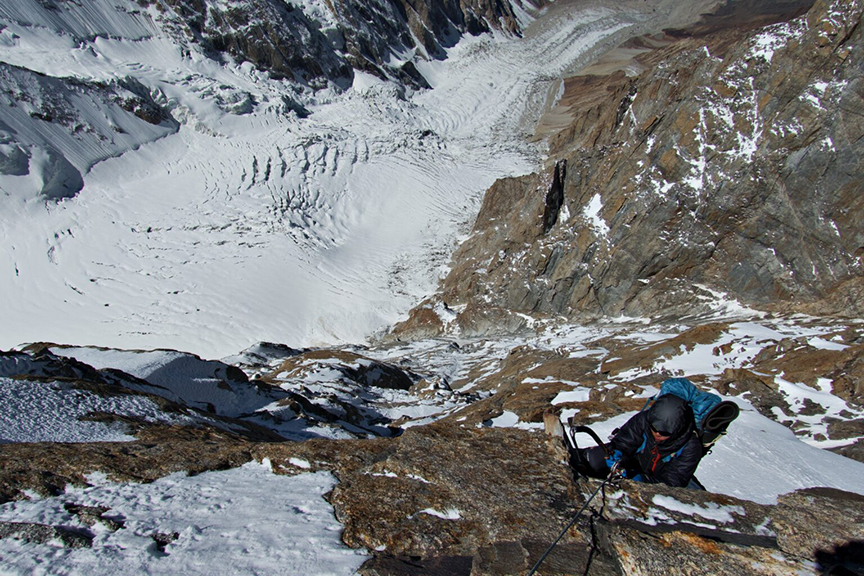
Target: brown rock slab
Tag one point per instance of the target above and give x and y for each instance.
(816, 522)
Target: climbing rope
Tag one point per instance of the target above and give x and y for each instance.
(612, 475)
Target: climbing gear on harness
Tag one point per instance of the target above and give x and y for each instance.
(614, 459)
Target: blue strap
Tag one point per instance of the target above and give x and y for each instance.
(675, 455)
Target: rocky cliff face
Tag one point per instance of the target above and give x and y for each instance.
(723, 159)
(325, 43)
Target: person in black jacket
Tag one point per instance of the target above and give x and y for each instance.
(655, 445)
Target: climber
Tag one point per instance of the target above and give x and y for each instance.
(656, 445)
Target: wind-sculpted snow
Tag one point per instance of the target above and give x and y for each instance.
(57, 128)
(56, 412)
(79, 21)
(251, 222)
(183, 378)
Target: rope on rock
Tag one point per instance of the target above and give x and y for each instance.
(576, 517)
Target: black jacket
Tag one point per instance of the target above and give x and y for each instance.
(671, 462)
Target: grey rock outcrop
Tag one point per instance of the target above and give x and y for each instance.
(730, 165)
(273, 36)
(834, 527)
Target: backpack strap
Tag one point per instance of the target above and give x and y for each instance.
(649, 402)
(644, 443)
(669, 457)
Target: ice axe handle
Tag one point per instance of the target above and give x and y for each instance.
(590, 432)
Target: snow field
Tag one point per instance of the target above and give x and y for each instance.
(241, 521)
(760, 459)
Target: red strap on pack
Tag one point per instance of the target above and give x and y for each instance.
(656, 454)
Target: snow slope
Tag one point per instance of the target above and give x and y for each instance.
(250, 224)
(241, 521)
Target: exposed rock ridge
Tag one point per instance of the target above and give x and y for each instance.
(730, 165)
(312, 394)
(445, 500)
(365, 35)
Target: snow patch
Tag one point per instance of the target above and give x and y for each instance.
(577, 395)
(711, 511)
(449, 514)
(300, 463)
(592, 214)
(506, 420)
(245, 520)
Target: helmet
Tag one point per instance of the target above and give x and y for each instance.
(669, 415)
